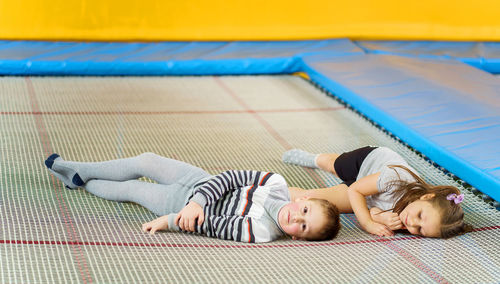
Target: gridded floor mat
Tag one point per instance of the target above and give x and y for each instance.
(53, 235)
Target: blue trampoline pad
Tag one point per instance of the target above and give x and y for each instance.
(482, 55)
(443, 108)
(162, 58)
(423, 93)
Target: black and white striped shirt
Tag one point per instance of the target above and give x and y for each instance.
(242, 205)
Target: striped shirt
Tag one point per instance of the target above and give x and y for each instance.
(241, 205)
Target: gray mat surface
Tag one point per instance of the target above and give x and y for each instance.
(53, 235)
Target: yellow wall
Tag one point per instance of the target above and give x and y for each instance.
(249, 19)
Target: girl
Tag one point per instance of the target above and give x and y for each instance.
(385, 193)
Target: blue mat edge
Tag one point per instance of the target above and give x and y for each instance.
(440, 155)
(272, 65)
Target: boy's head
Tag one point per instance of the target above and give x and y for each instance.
(310, 219)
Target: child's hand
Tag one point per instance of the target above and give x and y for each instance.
(378, 229)
(188, 215)
(157, 224)
(390, 219)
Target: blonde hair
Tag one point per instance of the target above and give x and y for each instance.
(452, 214)
(332, 221)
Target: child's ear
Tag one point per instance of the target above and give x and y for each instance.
(427, 196)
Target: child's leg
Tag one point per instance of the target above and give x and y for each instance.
(300, 158)
(336, 195)
(306, 159)
(158, 168)
(347, 165)
(326, 162)
(158, 198)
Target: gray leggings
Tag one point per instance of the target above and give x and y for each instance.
(116, 180)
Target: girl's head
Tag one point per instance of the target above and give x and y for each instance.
(430, 211)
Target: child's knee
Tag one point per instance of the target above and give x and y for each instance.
(148, 157)
(327, 161)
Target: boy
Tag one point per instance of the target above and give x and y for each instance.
(246, 206)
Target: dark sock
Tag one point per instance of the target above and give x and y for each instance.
(67, 175)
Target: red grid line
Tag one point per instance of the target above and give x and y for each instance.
(315, 176)
(268, 127)
(46, 145)
(70, 228)
(167, 112)
(123, 244)
(416, 262)
(195, 245)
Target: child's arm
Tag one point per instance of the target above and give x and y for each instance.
(157, 224)
(237, 228)
(388, 218)
(187, 217)
(357, 192)
(212, 191)
(242, 229)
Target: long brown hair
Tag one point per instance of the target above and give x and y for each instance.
(452, 215)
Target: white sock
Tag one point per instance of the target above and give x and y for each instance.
(300, 158)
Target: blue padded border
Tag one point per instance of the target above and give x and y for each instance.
(482, 55)
(161, 58)
(447, 110)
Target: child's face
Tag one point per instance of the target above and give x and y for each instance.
(302, 219)
(421, 218)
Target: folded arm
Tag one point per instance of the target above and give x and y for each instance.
(217, 186)
(388, 218)
(212, 191)
(357, 193)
